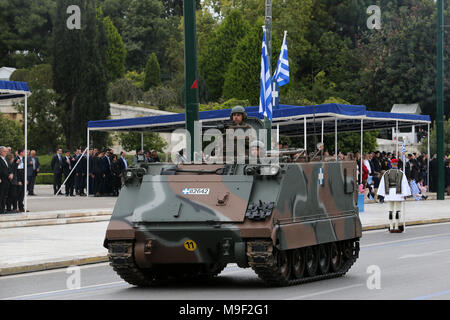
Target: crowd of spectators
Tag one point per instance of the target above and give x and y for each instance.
(415, 167)
(12, 178)
(105, 171)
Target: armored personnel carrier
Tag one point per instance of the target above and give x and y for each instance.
(291, 222)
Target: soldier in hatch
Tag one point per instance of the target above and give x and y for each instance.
(238, 116)
(394, 188)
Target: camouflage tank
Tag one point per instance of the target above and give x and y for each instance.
(291, 223)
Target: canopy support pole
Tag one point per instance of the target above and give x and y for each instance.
(304, 133)
(142, 140)
(321, 136)
(396, 139)
(25, 184)
(335, 139)
(428, 158)
(362, 147)
(87, 165)
(278, 135)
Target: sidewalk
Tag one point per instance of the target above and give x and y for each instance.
(25, 249)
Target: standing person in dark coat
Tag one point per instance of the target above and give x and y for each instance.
(57, 168)
(98, 173)
(5, 178)
(92, 156)
(69, 163)
(116, 175)
(123, 163)
(80, 173)
(11, 201)
(447, 176)
(20, 161)
(106, 186)
(33, 169)
(433, 174)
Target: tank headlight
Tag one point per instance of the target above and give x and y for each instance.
(271, 170)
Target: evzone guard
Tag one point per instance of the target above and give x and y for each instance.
(394, 188)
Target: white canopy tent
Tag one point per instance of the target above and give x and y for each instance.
(18, 90)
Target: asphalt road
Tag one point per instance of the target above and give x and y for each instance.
(413, 265)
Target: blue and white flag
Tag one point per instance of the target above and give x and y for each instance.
(281, 75)
(265, 97)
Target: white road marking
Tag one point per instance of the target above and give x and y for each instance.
(405, 240)
(420, 255)
(36, 295)
(324, 292)
(63, 270)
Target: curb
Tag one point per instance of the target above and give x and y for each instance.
(54, 218)
(49, 222)
(52, 265)
(407, 223)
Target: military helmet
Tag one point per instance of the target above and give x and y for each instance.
(238, 109)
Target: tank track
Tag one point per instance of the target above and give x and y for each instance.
(261, 259)
(259, 253)
(121, 258)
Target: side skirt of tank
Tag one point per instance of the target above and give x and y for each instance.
(308, 233)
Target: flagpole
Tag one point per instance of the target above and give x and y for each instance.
(268, 28)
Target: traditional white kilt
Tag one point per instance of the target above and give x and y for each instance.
(392, 195)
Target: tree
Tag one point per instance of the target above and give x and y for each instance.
(242, 79)
(26, 31)
(79, 73)
(11, 133)
(175, 7)
(400, 59)
(432, 136)
(45, 132)
(116, 52)
(131, 141)
(152, 73)
(219, 51)
(116, 11)
(145, 31)
(123, 90)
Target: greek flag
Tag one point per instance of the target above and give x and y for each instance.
(281, 75)
(403, 151)
(265, 97)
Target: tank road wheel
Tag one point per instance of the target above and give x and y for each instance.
(347, 249)
(335, 256)
(298, 263)
(282, 263)
(312, 260)
(324, 258)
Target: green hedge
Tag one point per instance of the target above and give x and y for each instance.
(44, 178)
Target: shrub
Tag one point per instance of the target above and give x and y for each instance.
(123, 90)
(44, 178)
